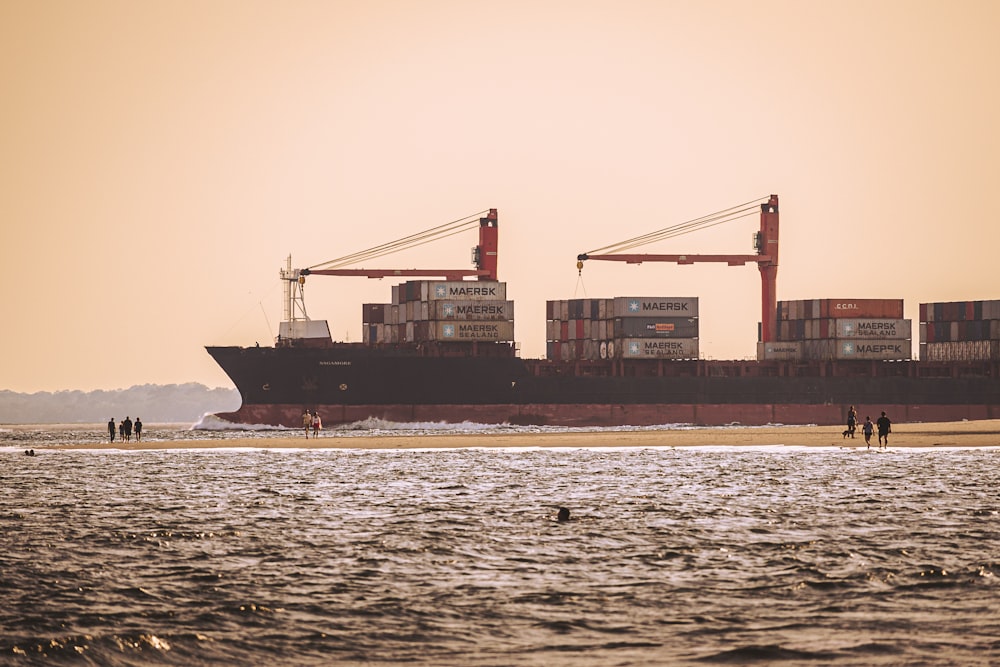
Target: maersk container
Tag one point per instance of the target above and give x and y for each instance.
(872, 328)
(970, 350)
(655, 327)
(463, 331)
(656, 348)
(471, 310)
(468, 290)
(779, 351)
(655, 306)
(853, 349)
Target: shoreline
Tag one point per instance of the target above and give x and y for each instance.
(984, 433)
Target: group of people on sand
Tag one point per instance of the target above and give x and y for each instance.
(125, 429)
(883, 425)
(311, 421)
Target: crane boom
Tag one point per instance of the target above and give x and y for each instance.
(766, 244)
(297, 324)
(484, 257)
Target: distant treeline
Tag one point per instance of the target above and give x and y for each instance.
(178, 403)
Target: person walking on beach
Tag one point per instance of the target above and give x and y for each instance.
(868, 429)
(138, 429)
(111, 430)
(306, 422)
(128, 428)
(121, 431)
(316, 424)
(852, 421)
(884, 429)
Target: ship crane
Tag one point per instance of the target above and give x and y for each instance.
(765, 243)
(298, 325)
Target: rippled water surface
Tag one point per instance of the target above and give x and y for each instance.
(453, 557)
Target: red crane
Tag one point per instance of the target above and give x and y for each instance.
(765, 242)
(484, 255)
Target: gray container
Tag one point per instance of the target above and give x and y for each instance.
(655, 306)
(872, 328)
(471, 310)
(656, 348)
(658, 327)
(463, 331)
(779, 351)
(463, 290)
(843, 349)
(968, 350)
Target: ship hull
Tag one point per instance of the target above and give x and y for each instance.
(605, 415)
(352, 383)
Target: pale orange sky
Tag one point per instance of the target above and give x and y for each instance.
(160, 161)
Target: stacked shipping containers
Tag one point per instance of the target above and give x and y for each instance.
(441, 311)
(622, 328)
(960, 331)
(840, 329)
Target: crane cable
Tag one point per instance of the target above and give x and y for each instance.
(414, 240)
(711, 220)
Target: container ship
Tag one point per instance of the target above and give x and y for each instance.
(443, 350)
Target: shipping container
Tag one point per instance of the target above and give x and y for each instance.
(978, 350)
(872, 328)
(468, 290)
(462, 331)
(781, 351)
(814, 309)
(373, 313)
(471, 310)
(653, 306)
(850, 349)
(551, 330)
(656, 348)
(655, 327)
(960, 311)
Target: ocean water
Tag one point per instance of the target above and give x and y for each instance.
(687, 556)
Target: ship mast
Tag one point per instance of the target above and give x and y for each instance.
(295, 284)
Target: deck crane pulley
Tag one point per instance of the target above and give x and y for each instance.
(765, 243)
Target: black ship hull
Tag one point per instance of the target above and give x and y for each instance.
(348, 383)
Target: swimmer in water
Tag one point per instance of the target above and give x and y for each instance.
(563, 514)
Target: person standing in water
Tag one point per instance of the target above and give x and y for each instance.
(868, 429)
(306, 422)
(884, 429)
(111, 430)
(138, 429)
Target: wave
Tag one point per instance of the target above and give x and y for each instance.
(210, 422)
(375, 425)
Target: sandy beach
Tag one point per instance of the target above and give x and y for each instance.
(947, 434)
